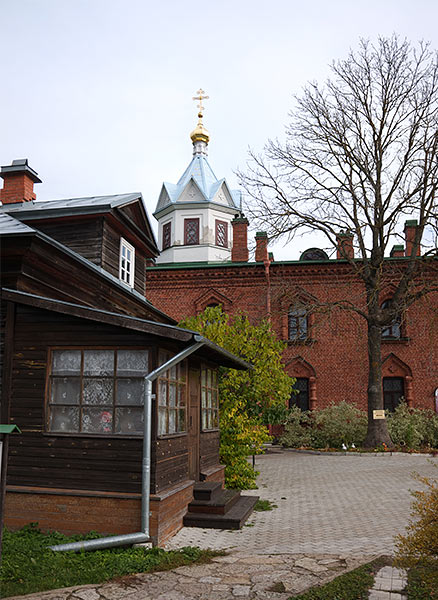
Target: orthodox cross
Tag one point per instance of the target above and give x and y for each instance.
(200, 97)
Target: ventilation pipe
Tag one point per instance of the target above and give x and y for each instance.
(142, 536)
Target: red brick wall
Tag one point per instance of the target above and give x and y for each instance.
(337, 350)
(73, 512)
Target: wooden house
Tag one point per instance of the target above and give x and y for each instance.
(78, 338)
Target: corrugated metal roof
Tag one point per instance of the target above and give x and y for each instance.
(9, 225)
(79, 204)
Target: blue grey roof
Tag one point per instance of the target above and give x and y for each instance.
(75, 204)
(9, 225)
(199, 169)
(200, 173)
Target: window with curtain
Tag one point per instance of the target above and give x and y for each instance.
(96, 391)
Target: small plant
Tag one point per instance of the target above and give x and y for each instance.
(417, 550)
(350, 586)
(264, 505)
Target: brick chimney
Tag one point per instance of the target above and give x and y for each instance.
(261, 253)
(19, 179)
(397, 251)
(344, 247)
(239, 251)
(410, 230)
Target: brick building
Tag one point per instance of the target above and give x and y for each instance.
(326, 351)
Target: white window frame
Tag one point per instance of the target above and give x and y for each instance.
(126, 275)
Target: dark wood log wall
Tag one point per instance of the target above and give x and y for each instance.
(2, 352)
(52, 273)
(40, 459)
(83, 236)
(45, 460)
(69, 461)
(209, 450)
(171, 461)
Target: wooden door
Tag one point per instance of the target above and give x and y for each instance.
(193, 423)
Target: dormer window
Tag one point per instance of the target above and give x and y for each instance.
(127, 262)
(191, 232)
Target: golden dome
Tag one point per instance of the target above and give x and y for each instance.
(200, 133)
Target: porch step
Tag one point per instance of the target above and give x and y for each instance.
(206, 491)
(219, 504)
(215, 508)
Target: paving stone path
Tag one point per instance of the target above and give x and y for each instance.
(388, 585)
(334, 513)
(238, 575)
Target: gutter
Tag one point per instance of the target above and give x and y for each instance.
(142, 536)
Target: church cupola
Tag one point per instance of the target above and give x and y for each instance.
(194, 215)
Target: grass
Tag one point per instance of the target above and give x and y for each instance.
(263, 505)
(423, 582)
(29, 566)
(350, 586)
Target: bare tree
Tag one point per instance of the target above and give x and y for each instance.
(361, 155)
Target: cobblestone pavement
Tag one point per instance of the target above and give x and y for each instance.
(326, 504)
(334, 513)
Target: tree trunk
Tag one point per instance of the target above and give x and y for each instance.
(377, 433)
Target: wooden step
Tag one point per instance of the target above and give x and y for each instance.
(219, 504)
(207, 490)
(232, 519)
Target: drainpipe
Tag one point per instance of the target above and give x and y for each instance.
(140, 536)
(267, 264)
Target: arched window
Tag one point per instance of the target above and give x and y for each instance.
(300, 399)
(392, 331)
(298, 325)
(314, 254)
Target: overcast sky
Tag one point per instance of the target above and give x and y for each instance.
(97, 94)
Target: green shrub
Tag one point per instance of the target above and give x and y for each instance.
(417, 551)
(297, 430)
(339, 424)
(413, 427)
(249, 400)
